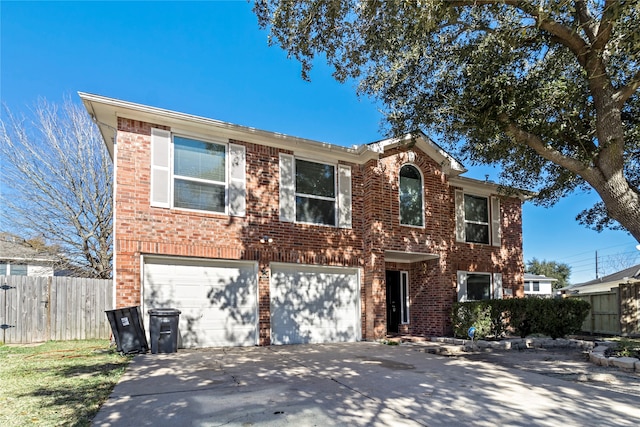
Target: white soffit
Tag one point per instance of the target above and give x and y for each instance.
(408, 257)
(105, 112)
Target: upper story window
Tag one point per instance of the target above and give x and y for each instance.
(315, 192)
(199, 173)
(411, 191)
(193, 174)
(478, 219)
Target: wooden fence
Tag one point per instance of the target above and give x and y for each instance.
(37, 309)
(613, 312)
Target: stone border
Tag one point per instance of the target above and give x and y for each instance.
(452, 346)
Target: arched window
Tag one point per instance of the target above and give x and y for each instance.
(411, 196)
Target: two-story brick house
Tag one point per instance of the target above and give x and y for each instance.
(263, 238)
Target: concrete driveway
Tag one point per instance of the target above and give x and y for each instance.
(352, 384)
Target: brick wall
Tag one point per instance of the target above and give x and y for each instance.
(141, 229)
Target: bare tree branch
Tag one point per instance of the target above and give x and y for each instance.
(56, 181)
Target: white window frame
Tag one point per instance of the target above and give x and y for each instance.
(495, 283)
(422, 198)
(163, 176)
(10, 265)
(313, 196)
(174, 176)
(494, 218)
(488, 223)
(405, 319)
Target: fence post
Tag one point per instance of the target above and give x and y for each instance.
(48, 322)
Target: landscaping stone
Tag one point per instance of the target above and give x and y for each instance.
(452, 346)
(626, 363)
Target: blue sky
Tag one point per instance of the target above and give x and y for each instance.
(211, 59)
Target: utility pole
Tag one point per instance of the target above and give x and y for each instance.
(597, 276)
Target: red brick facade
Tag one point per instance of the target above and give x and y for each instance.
(141, 229)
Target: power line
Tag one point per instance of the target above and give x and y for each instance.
(592, 251)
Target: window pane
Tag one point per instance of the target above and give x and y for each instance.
(404, 294)
(196, 195)
(536, 286)
(198, 159)
(478, 286)
(3, 268)
(476, 209)
(410, 196)
(18, 270)
(315, 178)
(315, 211)
(477, 233)
(527, 286)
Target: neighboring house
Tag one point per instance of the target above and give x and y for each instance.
(538, 285)
(629, 275)
(263, 238)
(18, 258)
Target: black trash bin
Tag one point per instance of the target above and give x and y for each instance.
(163, 330)
(128, 330)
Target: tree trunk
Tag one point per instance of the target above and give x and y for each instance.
(621, 200)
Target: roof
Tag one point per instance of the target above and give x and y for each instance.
(424, 143)
(106, 111)
(541, 277)
(620, 276)
(15, 249)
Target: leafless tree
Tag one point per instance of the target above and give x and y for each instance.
(56, 181)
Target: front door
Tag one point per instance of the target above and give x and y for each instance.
(393, 301)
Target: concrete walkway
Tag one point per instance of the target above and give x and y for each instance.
(352, 384)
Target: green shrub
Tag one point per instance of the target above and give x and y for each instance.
(477, 314)
(522, 316)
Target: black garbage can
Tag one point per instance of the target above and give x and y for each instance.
(128, 330)
(163, 330)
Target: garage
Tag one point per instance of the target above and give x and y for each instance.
(311, 304)
(217, 298)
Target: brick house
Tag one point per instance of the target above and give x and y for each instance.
(261, 238)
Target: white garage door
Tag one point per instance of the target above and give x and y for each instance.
(314, 304)
(218, 299)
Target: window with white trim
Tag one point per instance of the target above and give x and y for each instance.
(313, 192)
(194, 174)
(478, 219)
(476, 286)
(411, 199)
(12, 269)
(199, 175)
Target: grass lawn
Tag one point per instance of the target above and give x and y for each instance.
(57, 383)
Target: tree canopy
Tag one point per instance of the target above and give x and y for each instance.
(547, 89)
(56, 186)
(557, 270)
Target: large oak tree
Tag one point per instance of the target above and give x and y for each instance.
(547, 89)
